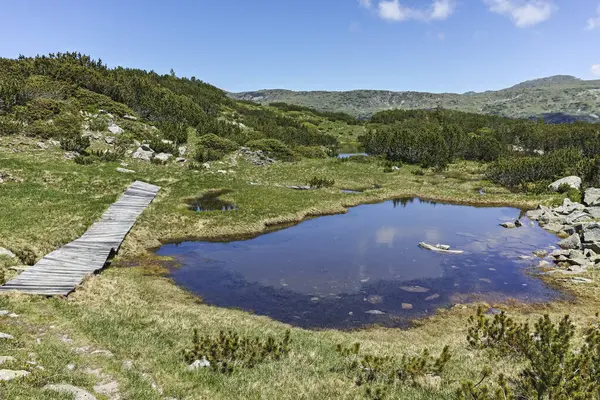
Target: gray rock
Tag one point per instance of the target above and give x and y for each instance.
(204, 363)
(129, 117)
(6, 336)
(591, 197)
(518, 223)
(9, 375)
(540, 253)
(110, 139)
(77, 393)
(7, 359)
(414, 289)
(42, 145)
(374, 312)
(115, 129)
(568, 207)
(299, 187)
(595, 246)
(54, 143)
(534, 214)
(146, 147)
(125, 170)
(7, 253)
(591, 232)
(108, 389)
(69, 155)
(105, 353)
(578, 217)
(572, 242)
(163, 157)
(508, 225)
(554, 227)
(593, 211)
(578, 279)
(182, 150)
(574, 182)
(569, 230)
(143, 153)
(180, 160)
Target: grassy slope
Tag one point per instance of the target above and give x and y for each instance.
(566, 96)
(135, 313)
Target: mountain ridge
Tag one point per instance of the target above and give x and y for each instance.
(562, 98)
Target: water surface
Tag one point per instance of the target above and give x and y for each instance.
(365, 267)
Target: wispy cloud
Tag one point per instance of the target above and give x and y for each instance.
(594, 22)
(524, 13)
(596, 70)
(393, 10)
(365, 3)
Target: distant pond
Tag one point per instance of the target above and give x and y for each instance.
(365, 267)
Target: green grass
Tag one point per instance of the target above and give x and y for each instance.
(137, 314)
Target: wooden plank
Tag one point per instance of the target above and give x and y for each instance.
(62, 270)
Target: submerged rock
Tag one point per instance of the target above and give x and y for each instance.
(407, 306)
(414, 289)
(374, 312)
(440, 248)
(508, 225)
(432, 297)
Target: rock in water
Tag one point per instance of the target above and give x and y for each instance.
(518, 223)
(591, 198)
(508, 225)
(572, 242)
(414, 289)
(574, 182)
(374, 312)
(77, 393)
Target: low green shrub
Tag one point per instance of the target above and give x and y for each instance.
(99, 124)
(108, 155)
(274, 149)
(175, 132)
(9, 126)
(39, 109)
(161, 147)
(26, 255)
(553, 368)
(311, 152)
(318, 182)
(78, 144)
(212, 147)
(85, 159)
(228, 351)
(92, 102)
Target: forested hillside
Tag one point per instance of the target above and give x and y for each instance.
(558, 99)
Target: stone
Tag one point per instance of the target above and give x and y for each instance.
(432, 297)
(594, 212)
(108, 389)
(407, 306)
(180, 160)
(578, 217)
(42, 145)
(128, 364)
(7, 253)
(77, 393)
(572, 242)
(591, 197)
(508, 225)
(534, 214)
(54, 143)
(182, 150)
(69, 155)
(540, 253)
(9, 375)
(591, 232)
(518, 223)
(143, 153)
(105, 353)
(395, 168)
(115, 129)
(110, 139)
(163, 157)
(578, 279)
(375, 299)
(7, 359)
(129, 117)
(414, 289)
(493, 311)
(374, 312)
(204, 363)
(6, 336)
(568, 207)
(125, 170)
(574, 182)
(554, 228)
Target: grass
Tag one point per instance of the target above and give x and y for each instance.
(145, 321)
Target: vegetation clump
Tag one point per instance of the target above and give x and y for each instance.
(228, 351)
(212, 147)
(273, 148)
(318, 182)
(553, 368)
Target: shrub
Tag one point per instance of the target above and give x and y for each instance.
(311, 152)
(67, 125)
(78, 144)
(553, 369)
(26, 255)
(161, 147)
(39, 109)
(274, 149)
(317, 182)
(98, 124)
(175, 132)
(92, 102)
(212, 147)
(229, 351)
(84, 160)
(9, 126)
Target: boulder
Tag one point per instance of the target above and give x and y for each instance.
(69, 155)
(554, 227)
(568, 207)
(591, 197)
(75, 392)
(129, 117)
(578, 217)
(7, 359)
(163, 157)
(115, 129)
(110, 139)
(54, 143)
(518, 223)
(182, 150)
(572, 242)
(594, 212)
(535, 214)
(508, 225)
(198, 364)
(591, 232)
(9, 375)
(143, 153)
(42, 145)
(7, 253)
(574, 182)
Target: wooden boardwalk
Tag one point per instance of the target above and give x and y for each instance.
(62, 270)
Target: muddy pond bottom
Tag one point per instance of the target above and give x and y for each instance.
(366, 267)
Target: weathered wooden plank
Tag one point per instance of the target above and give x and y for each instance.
(62, 270)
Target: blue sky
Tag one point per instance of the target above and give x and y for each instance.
(239, 45)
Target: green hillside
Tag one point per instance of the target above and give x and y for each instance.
(558, 98)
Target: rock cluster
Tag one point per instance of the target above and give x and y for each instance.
(577, 223)
(257, 157)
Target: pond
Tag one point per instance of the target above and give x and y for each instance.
(211, 202)
(366, 267)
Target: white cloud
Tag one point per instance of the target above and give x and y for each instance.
(594, 22)
(392, 10)
(365, 3)
(596, 69)
(524, 13)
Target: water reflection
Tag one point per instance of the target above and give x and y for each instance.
(349, 270)
(211, 202)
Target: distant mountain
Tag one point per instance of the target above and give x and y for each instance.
(560, 98)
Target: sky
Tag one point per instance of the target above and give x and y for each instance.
(243, 45)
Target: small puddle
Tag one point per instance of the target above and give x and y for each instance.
(366, 267)
(211, 202)
(348, 155)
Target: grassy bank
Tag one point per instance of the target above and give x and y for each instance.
(141, 322)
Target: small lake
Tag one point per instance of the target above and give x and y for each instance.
(365, 267)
